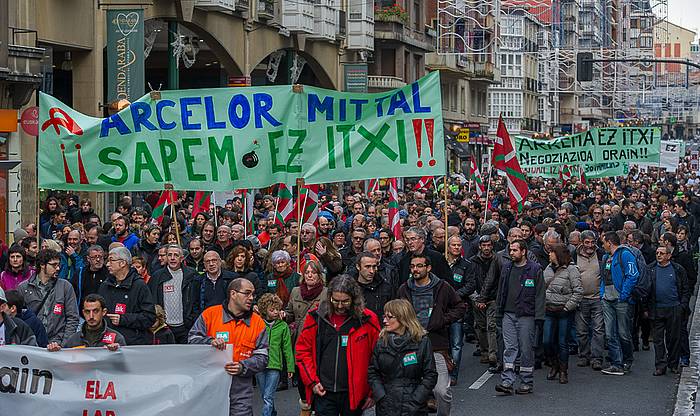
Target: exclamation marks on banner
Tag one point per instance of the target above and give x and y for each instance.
(81, 167)
(66, 171)
(418, 133)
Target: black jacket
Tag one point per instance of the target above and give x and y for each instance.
(208, 294)
(155, 285)
(470, 245)
(401, 376)
(681, 286)
(484, 265)
(17, 332)
(146, 250)
(30, 318)
(440, 268)
(448, 307)
(108, 336)
(463, 277)
(133, 301)
(377, 293)
(685, 259)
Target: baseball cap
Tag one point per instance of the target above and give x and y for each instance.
(3, 298)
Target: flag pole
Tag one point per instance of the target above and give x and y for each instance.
(173, 217)
(216, 216)
(469, 173)
(300, 186)
(444, 190)
(488, 185)
(277, 204)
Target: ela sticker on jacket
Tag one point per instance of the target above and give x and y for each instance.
(168, 288)
(120, 308)
(529, 283)
(109, 337)
(457, 277)
(410, 359)
(58, 309)
(222, 335)
(343, 340)
(272, 283)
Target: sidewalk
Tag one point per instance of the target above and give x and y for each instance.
(687, 400)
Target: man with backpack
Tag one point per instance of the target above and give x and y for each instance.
(624, 282)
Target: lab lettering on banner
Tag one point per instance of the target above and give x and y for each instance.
(95, 381)
(243, 138)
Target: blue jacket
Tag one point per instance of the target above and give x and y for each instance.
(129, 242)
(623, 284)
(29, 318)
(74, 270)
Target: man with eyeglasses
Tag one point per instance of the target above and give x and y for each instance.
(90, 280)
(209, 289)
(128, 300)
(415, 239)
(50, 298)
(437, 306)
(233, 323)
(334, 348)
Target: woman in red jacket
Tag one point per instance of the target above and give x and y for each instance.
(334, 349)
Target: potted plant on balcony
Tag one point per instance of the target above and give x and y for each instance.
(393, 13)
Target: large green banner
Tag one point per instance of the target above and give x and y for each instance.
(593, 147)
(233, 138)
(603, 170)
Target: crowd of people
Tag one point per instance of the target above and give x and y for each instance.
(355, 316)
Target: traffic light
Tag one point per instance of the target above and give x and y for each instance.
(584, 66)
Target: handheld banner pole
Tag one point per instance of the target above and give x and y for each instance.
(300, 186)
(216, 216)
(488, 184)
(173, 217)
(445, 190)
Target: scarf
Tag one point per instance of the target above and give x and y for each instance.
(282, 289)
(310, 293)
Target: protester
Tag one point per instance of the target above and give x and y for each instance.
(15, 308)
(334, 348)
(589, 316)
(14, 330)
(18, 269)
(128, 300)
(563, 293)
(234, 323)
(279, 353)
(95, 332)
(51, 299)
(402, 371)
(521, 302)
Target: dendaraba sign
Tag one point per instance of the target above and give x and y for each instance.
(233, 138)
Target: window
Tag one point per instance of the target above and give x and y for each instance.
(417, 18)
(463, 100)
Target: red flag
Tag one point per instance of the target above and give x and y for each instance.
(373, 185)
(582, 175)
(166, 199)
(505, 159)
(424, 182)
(202, 202)
(394, 222)
(565, 174)
(475, 175)
(308, 198)
(284, 208)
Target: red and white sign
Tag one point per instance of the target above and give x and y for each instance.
(120, 308)
(168, 288)
(109, 337)
(58, 309)
(30, 121)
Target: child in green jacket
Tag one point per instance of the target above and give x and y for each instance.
(280, 339)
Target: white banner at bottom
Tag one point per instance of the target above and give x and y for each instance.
(134, 381)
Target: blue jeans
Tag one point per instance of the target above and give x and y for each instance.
(555, 335)
(267, 383)
(456, 331)
(618, 330)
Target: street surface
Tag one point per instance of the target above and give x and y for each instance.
(588, 393)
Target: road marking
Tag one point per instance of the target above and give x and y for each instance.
(481, 381)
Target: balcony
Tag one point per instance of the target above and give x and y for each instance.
(298, 16)
(360, 35)
(395, 30)
(384, 82)
(20, 67)
(325, 20)
(226, 6)
(266, 9)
